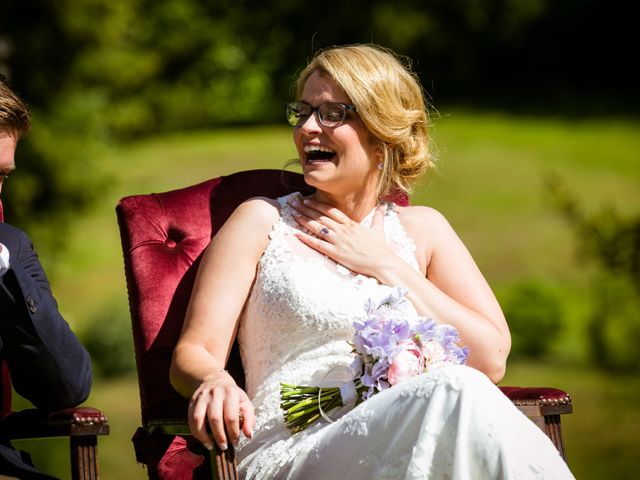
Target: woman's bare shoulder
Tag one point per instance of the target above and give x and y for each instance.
(258, 211)
(427, 229)
(249, 225)
(422, 218)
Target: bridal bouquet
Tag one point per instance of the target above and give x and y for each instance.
(391, 344)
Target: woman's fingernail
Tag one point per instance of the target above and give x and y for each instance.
(295, 213)
(223, 446)
(208, 446)
(306, 201)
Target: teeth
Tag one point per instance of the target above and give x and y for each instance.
(317, 148)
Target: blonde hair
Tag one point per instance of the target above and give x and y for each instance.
(14, 114)
(390, 102)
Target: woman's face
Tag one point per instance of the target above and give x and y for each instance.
(340, 159)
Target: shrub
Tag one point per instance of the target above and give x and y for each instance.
(613, 324)
(610, 241)
(535, 318)
(109, 341)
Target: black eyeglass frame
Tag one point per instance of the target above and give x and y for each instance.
(292, 110)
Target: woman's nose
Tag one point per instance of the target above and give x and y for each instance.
(311, 124)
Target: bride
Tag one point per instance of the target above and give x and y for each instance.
(289, 276)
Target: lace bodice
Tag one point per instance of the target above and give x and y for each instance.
(301, 308)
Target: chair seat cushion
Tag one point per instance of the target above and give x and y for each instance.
(536, 395)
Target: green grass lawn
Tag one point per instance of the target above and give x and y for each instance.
(601, 436)
(489, 185)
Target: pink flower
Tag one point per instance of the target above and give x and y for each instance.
(434, 354)
(407, 363)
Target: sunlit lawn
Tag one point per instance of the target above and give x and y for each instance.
(602, 436)
(489, 185)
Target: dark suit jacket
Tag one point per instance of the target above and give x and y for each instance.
(48, 364)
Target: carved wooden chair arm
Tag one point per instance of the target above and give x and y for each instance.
(223, 463)
(543, 405)
(33, 423)
(82, 425)
(537, 401)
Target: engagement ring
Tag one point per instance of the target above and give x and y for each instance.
(324, 231)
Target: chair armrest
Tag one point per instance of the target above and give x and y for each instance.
(180, 426)
(223, 463)
(70, 422)
(168, 426)
(539, 401)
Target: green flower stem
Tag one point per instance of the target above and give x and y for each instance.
(301, 405)
(302, 413)
(311, 401)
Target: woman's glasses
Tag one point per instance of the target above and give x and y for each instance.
(330, 114)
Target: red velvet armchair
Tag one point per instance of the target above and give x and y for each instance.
(163, 236)
(81, 424)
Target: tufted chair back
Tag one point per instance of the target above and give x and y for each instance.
(163, 236)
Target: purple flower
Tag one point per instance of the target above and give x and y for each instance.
(391, 330)
(385, 296)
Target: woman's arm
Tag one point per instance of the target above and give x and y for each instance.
(220, 290)
(453, 290)
(450, 289)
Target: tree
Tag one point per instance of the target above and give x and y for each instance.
(612, 242)
(97, 72)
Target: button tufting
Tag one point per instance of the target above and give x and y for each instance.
(170, 242)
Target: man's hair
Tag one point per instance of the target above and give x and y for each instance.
(14, 114)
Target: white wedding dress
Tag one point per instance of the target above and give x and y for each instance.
(451, 423)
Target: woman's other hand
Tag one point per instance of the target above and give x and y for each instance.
(218, 403)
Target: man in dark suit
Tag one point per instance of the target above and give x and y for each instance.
(48, 364)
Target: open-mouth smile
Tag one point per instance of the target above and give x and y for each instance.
(318, 153)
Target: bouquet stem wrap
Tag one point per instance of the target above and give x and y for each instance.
(303, 406)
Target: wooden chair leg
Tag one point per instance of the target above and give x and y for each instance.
(546, 415)
(84, 457)
(553, 428)
(224, 464)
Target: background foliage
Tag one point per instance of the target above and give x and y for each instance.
(99, 71)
